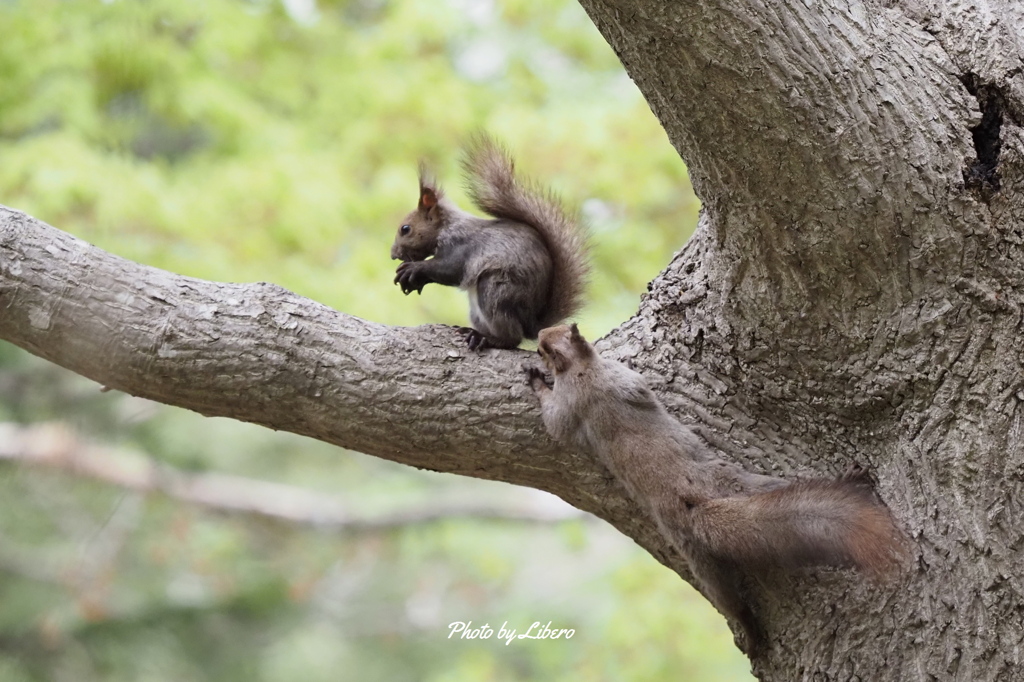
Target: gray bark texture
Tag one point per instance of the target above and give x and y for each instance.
(852, 295)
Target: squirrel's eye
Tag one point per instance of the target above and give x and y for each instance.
(405, 229)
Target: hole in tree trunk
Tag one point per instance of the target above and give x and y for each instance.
(983, 174)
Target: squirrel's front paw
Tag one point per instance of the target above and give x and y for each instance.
(535, 377)
(410, 277)
(857, 474)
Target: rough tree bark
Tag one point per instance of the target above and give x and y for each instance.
(851, 295)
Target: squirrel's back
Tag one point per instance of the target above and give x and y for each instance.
(494, 188)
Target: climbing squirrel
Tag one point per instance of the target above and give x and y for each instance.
(727, 523)
(524, 268)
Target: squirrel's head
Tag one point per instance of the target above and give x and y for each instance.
(417, 235)
(562, 347)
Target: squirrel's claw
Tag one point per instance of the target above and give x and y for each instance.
(475, 340)
(858, 475)
(409, 278)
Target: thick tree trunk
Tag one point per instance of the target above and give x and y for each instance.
(852, 295)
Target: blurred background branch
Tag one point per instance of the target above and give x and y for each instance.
(57, 446)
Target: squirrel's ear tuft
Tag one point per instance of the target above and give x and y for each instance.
(578, 341)
(428, 198)
(430, 192)
(578, 347)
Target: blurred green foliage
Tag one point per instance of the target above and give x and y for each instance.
(278, 140)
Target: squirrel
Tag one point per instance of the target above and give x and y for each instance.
(728, 523)
(525, 268)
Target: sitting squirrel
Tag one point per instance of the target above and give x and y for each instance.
(524, 269)
(606, 409)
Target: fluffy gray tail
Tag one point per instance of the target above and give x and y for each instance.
(816, 522)
(492, 185)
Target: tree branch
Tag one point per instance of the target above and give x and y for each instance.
(261, 354)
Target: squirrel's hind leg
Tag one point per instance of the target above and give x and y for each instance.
(494, 310)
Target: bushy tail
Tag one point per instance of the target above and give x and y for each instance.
(817, 522)
(494, 188)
